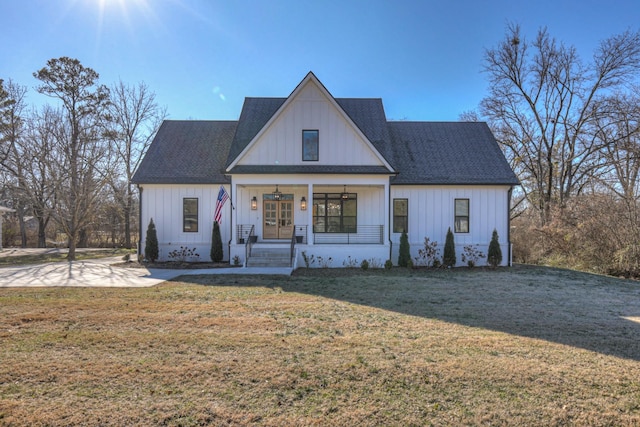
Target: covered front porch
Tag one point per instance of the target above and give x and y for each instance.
(337, 217)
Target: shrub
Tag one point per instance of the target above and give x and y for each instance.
(410, 264)
(364, 264)
(494, 256)
(308, 259)
(184, 253)
(236, 260)
(471, 254)
(449, 258)
(325, 262)
(388, 264)
(375, 263)
(405, 251)
(216, 243)
(151, 245)
(350, 262)
(428, 255)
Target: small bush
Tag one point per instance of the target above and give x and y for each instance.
(325, 262)
(183, 254)
(389, 264)
(405, 251)
(375, 263)
(471, 254)
(216, 243)
(308, 259)
(428, 255)
(350, 262)
(494, 256)
(364, 264)
(151, 245)
(449, 258)
(236, 260)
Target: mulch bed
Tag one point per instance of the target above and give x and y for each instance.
(175, 265)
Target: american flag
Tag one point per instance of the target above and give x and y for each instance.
(223, 196)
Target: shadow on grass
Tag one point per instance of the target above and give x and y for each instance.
(596, 313)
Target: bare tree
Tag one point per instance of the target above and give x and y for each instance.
(618, 126)
(37, 152)
(12, 130)
(543, 106)
(135, 118)
(7, 110)
(80, 142)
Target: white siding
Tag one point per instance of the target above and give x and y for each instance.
(431, 213)
(163, 203)
(339, 142)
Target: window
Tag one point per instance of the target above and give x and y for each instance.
(334, 214)
(400, 215)
(190, 215)
(462, 216)
(310, 145)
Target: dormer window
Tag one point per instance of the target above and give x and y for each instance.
(310, 145)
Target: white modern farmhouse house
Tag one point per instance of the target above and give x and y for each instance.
(330, 177)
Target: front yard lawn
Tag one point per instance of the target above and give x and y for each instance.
(520, 346)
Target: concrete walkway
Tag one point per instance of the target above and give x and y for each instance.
(101, 273)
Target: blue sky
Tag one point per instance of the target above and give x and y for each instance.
(202, 57)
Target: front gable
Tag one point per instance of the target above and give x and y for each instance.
(309, 110)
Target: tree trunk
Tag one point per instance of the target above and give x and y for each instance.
(127, 221)
(42, 233)
(71, 256)
(23, 229)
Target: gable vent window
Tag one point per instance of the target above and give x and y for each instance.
(462, 216)
(190, 215)
(310, 145)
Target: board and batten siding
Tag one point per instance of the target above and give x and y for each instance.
(164, 203)
(339, 143)
(432, 212)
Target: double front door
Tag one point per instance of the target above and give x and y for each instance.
(278, 219)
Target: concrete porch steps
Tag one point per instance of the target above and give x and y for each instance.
(269, 257)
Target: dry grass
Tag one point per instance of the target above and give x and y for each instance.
(526, 346)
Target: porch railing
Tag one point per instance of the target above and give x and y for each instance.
(248, 245)
(365, 234)
(243, 231)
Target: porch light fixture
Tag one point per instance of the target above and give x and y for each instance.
(344, 194)
(276, 194)
(254, 203)
(303, 203)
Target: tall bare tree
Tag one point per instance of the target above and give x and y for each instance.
(12, 126)
(80, 141)
(7, 108)
(135, 118)
(543, 106)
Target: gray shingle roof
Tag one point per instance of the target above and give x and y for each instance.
(447, 153)
(256, 112)
(439, 153)
(187, 152)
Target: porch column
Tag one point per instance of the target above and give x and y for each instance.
(387, 208)
(310, 214)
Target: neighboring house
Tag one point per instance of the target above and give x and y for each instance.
(3, 210)
(331, 170)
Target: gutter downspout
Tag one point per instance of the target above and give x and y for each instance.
(509, 226)
(390, 223)
(232, 219)
(140, 222)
